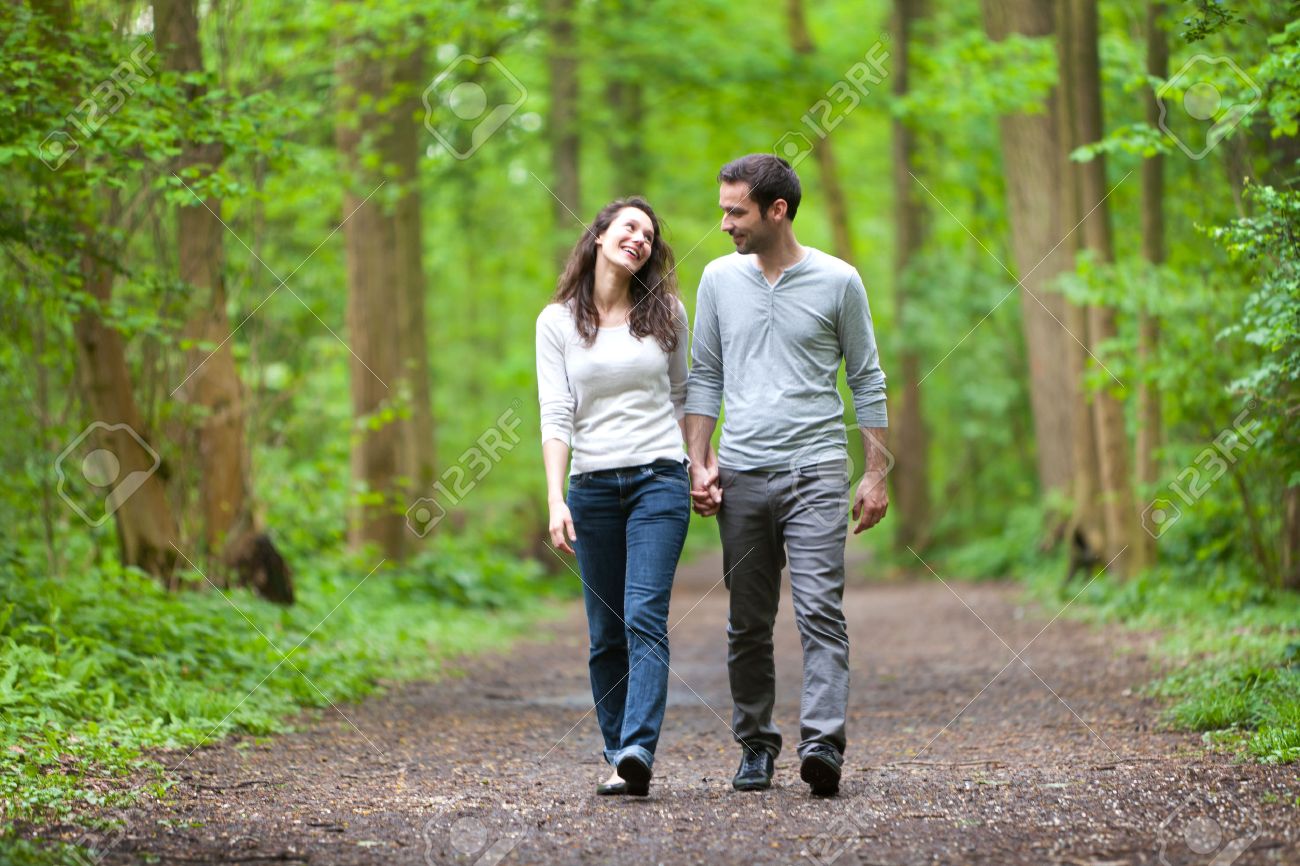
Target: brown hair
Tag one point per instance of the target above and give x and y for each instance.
(655, 317)
(769, 178)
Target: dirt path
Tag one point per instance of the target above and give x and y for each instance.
(958, 752)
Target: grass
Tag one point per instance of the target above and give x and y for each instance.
(100, 667)
(1230, 645)
(1231, 648)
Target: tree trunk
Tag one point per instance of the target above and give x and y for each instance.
(1153, 250)
(625, 95)
(146, 527)
(418, 455)
(1290, 558)
(910, 436)
(230, 525)
(374, 273)
(1119, 510)
(1031, 163)
(1085, 536)
(837, 211)
(626, 141)
(123, 467)
(562, 61)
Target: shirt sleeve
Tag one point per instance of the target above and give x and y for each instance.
(553, 392)
(704, 386)
(861, 358)
(677, 370)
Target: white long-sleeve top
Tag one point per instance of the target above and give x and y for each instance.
(615, 403)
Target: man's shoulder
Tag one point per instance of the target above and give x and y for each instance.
(826, 265)
(724, 266)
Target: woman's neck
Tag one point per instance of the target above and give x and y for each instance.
(611, 291)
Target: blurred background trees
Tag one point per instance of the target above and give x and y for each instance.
(223, 219)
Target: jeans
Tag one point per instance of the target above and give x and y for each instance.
(631, 525)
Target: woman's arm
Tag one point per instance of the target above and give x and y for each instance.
(557, 406)
(555, 455)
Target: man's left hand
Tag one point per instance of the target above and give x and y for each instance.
(870, 501)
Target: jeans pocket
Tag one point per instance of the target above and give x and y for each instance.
(672, 471)
(577, 481)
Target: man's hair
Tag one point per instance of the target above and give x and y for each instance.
(769, 178)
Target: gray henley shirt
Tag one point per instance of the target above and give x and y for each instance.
(772, 353)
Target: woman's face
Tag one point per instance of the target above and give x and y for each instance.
(628, 240)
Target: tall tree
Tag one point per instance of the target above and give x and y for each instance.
(1030, 159)
(837, 211)
(418, 455)
(1119, 511)
(625, 96)
(563, 132)
(374, 272)
(1085, 533)
(145, 522)
(229, 518)
(1153, 250)
(909, 434)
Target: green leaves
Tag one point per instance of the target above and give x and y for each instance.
(102, 665)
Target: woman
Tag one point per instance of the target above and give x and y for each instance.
(611, 374)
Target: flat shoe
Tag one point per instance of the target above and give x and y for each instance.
(607, 788)
(635, 775)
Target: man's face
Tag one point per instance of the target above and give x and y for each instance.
(740, 219)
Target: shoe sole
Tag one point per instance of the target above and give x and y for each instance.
(751, 786)
(821, 775)
(635, 775)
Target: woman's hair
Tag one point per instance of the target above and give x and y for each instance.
(650, 316)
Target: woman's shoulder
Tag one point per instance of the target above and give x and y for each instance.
(553, 315)
(679, 310)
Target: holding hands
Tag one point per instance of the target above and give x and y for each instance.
(706, 489)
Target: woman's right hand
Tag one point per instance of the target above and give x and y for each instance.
(561, 526)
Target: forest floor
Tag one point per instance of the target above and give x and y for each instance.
(960, 751)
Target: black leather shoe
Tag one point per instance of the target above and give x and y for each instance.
(820, 768)
(755, 773)
(607, 788)
(635, 774)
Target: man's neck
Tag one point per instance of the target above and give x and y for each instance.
(783, 255)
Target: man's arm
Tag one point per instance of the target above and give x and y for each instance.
(861, 357)
(867, 383)
(704, 402)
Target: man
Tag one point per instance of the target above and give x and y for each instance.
(773, 321)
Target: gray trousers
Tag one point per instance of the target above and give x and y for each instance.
(764, 516)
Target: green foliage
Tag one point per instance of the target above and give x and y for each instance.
(1230, 644)
(1267, 244)
(102, 666)
(99, 665)
(1208, 17)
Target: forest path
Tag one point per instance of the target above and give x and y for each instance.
(958, 752)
